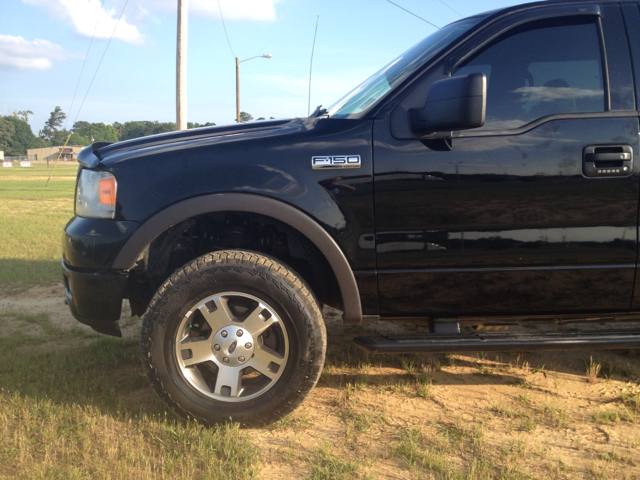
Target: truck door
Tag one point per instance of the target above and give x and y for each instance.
(535, 212)
(631, 12)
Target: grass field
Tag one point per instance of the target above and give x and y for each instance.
(76, 405)
(32, 216)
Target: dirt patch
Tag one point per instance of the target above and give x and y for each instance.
(511, 414)
(49, 299)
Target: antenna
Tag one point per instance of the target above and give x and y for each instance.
(311, 65)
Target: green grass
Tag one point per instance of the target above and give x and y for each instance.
(328, 465)
(623, 413)
(77, 405)
(456, 452)
(32, 218)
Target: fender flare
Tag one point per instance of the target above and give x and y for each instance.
(269, 207)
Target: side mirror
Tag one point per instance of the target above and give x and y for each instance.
(455, 103)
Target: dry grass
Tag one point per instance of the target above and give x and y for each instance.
(593, 370)
(43, 439)
(77, 405)
(83, 411)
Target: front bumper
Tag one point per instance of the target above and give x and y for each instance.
(95, 298)
(94, 291)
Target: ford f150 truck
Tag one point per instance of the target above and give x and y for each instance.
(486, 177)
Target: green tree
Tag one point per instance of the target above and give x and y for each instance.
(79, 125)
(55, 121)
(21, 114)
(59, 137)
(24, 115)
(245, 117)
(119, 129)
(7, 130)
(23, 137)
(77, 139)
(137, 129)
(99, 132)
(197, 125)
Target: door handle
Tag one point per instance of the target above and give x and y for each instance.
(606, 157)
(607, 161)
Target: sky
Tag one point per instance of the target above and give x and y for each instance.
(44, 44)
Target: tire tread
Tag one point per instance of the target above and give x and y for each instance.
(248, 262)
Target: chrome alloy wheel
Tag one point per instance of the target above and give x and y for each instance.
(231, 346)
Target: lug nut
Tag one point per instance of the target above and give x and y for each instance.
(239, 333)
(248, 345)
(217, 347)
(225, 360)
(241, 359)
(224, 334)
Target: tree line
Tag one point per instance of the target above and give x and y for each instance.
(16, 135)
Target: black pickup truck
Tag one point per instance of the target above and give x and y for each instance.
(486, 177)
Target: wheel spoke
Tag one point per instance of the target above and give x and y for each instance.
(229, 377)
(231, 334)
(218, 317)
(256, 323)
(200, 352)
(263, 357)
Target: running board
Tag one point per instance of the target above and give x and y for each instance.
(485, 341)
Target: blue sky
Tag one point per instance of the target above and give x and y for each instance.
(43, 44)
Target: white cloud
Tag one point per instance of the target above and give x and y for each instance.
(83, 15)
(16, 52)
(231, 9)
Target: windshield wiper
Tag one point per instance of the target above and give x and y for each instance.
(318, 112)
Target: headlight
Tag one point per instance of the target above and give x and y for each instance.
(96, 195)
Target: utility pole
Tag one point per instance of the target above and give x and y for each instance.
(237, 90)
(181, 66)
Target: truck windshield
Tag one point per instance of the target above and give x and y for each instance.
(371, 90)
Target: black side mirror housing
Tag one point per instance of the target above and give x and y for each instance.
(456, 103)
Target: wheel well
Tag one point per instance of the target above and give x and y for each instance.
(212, 232)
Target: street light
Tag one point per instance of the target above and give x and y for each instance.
(238, 62)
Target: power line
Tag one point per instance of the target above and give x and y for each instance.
(311, 65)
(83, 65)
(450, 8)
(225, 30)
(101, 58)
(432, 24)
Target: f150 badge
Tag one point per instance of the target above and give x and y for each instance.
(335, 161)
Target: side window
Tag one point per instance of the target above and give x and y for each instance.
(541, 68)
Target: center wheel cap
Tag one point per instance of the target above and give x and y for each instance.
(233, 346)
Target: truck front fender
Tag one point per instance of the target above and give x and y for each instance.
(240, 202)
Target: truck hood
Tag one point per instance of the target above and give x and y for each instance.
(92, 155)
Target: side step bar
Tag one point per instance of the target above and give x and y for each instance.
(482, 341)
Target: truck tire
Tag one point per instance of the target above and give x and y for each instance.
(233, 335)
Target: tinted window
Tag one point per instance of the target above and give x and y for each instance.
(541, 68)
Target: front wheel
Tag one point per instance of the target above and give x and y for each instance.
(233, 335)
